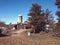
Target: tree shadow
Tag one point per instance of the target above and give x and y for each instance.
(1, 35)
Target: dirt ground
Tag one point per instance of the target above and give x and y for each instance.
(23, 39)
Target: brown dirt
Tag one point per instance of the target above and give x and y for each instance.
(21, 39)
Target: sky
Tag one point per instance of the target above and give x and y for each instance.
(10, 9)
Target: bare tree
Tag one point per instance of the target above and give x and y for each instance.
(2, 24)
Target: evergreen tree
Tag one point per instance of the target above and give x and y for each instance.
(36, 18)
(57, 3)
(49, 18)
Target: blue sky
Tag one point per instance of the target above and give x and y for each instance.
(9, 9)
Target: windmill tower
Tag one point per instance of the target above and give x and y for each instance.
(19, 18)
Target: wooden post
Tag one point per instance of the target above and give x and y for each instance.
(29, 34)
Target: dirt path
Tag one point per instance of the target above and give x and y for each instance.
(17, 40)
(16, 33)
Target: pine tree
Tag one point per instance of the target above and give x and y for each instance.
(49, 18)
(36, 18)
(57, 3)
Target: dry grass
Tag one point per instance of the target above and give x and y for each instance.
(34, 39)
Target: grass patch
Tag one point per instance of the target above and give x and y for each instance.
(38, 36)
(41, 36)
